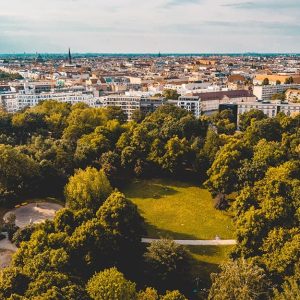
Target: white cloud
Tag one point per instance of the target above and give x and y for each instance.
(149, 26)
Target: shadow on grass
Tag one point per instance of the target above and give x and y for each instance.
(156, 233)
(144, 190)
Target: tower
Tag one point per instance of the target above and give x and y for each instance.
(70, 57)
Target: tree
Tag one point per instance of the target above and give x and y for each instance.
(90, 147)
(278, 82)
(223, 174)
(239, 279)
(269, 129)
(23, 234)
(55, 285)
(279, 96)
(290, 289)
(176, 151)
(167, 264)
(138, 115)
(170, 94)
(12, 281)
(289, 80)
(148, 294)
(247, 118)
(87, 189)
(115, 113)
(173, 295)
(266, 81)
(110, 284)
(121, 216)
(18, 173)
(82, 120)
(224, 121)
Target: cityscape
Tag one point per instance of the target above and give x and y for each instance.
(199, 84)
(150, 150)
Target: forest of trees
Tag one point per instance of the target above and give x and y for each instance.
(93, 250)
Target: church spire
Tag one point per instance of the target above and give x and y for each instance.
(70, 57)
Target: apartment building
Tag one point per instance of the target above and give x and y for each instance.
(210, 101)
(265, 92)
(271, 109)
(189, 103)
(131, 103)
(22, 99)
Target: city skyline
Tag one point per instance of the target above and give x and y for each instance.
(131, 26)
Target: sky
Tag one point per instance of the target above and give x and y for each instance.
(150, 26)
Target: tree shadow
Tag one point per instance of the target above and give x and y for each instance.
(159, 233)
(148, 189)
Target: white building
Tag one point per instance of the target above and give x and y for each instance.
(265, 92)
(271, 109)
(131, 103)
(22, 100)
(191, 104)
(210, 101)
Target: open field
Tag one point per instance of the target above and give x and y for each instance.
(178, 210)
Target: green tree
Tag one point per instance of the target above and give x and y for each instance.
(167, 264)
(266, 81)
(247, 118)
(289, 80)
(110, 284)
(18, 173)
(115, 113)
(224, 122)
(176, 151)
(12, 281)
(170, 94)
(223, 174)
(90, 147)
(239, 279)
(87, 189)
(121, 216)
(269, 129)
(82, 120)
(290, 289)
(173, 295)
(148, 294)
(54, 285)
(23, 234)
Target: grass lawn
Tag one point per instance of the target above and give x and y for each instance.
(178, 210)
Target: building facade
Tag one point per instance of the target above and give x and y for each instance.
(265, 92)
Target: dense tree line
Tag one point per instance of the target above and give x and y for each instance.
(4, 76)
(85, 153)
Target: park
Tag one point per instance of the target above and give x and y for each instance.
(172, 209)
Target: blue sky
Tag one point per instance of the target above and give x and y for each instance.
(150, 26)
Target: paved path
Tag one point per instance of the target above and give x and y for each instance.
(196, 242)
(6, 244)
(34, 213)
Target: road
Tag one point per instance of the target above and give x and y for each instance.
(196, 242)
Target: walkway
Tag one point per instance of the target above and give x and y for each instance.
(196, 242)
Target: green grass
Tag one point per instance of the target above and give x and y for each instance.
(178, 210)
